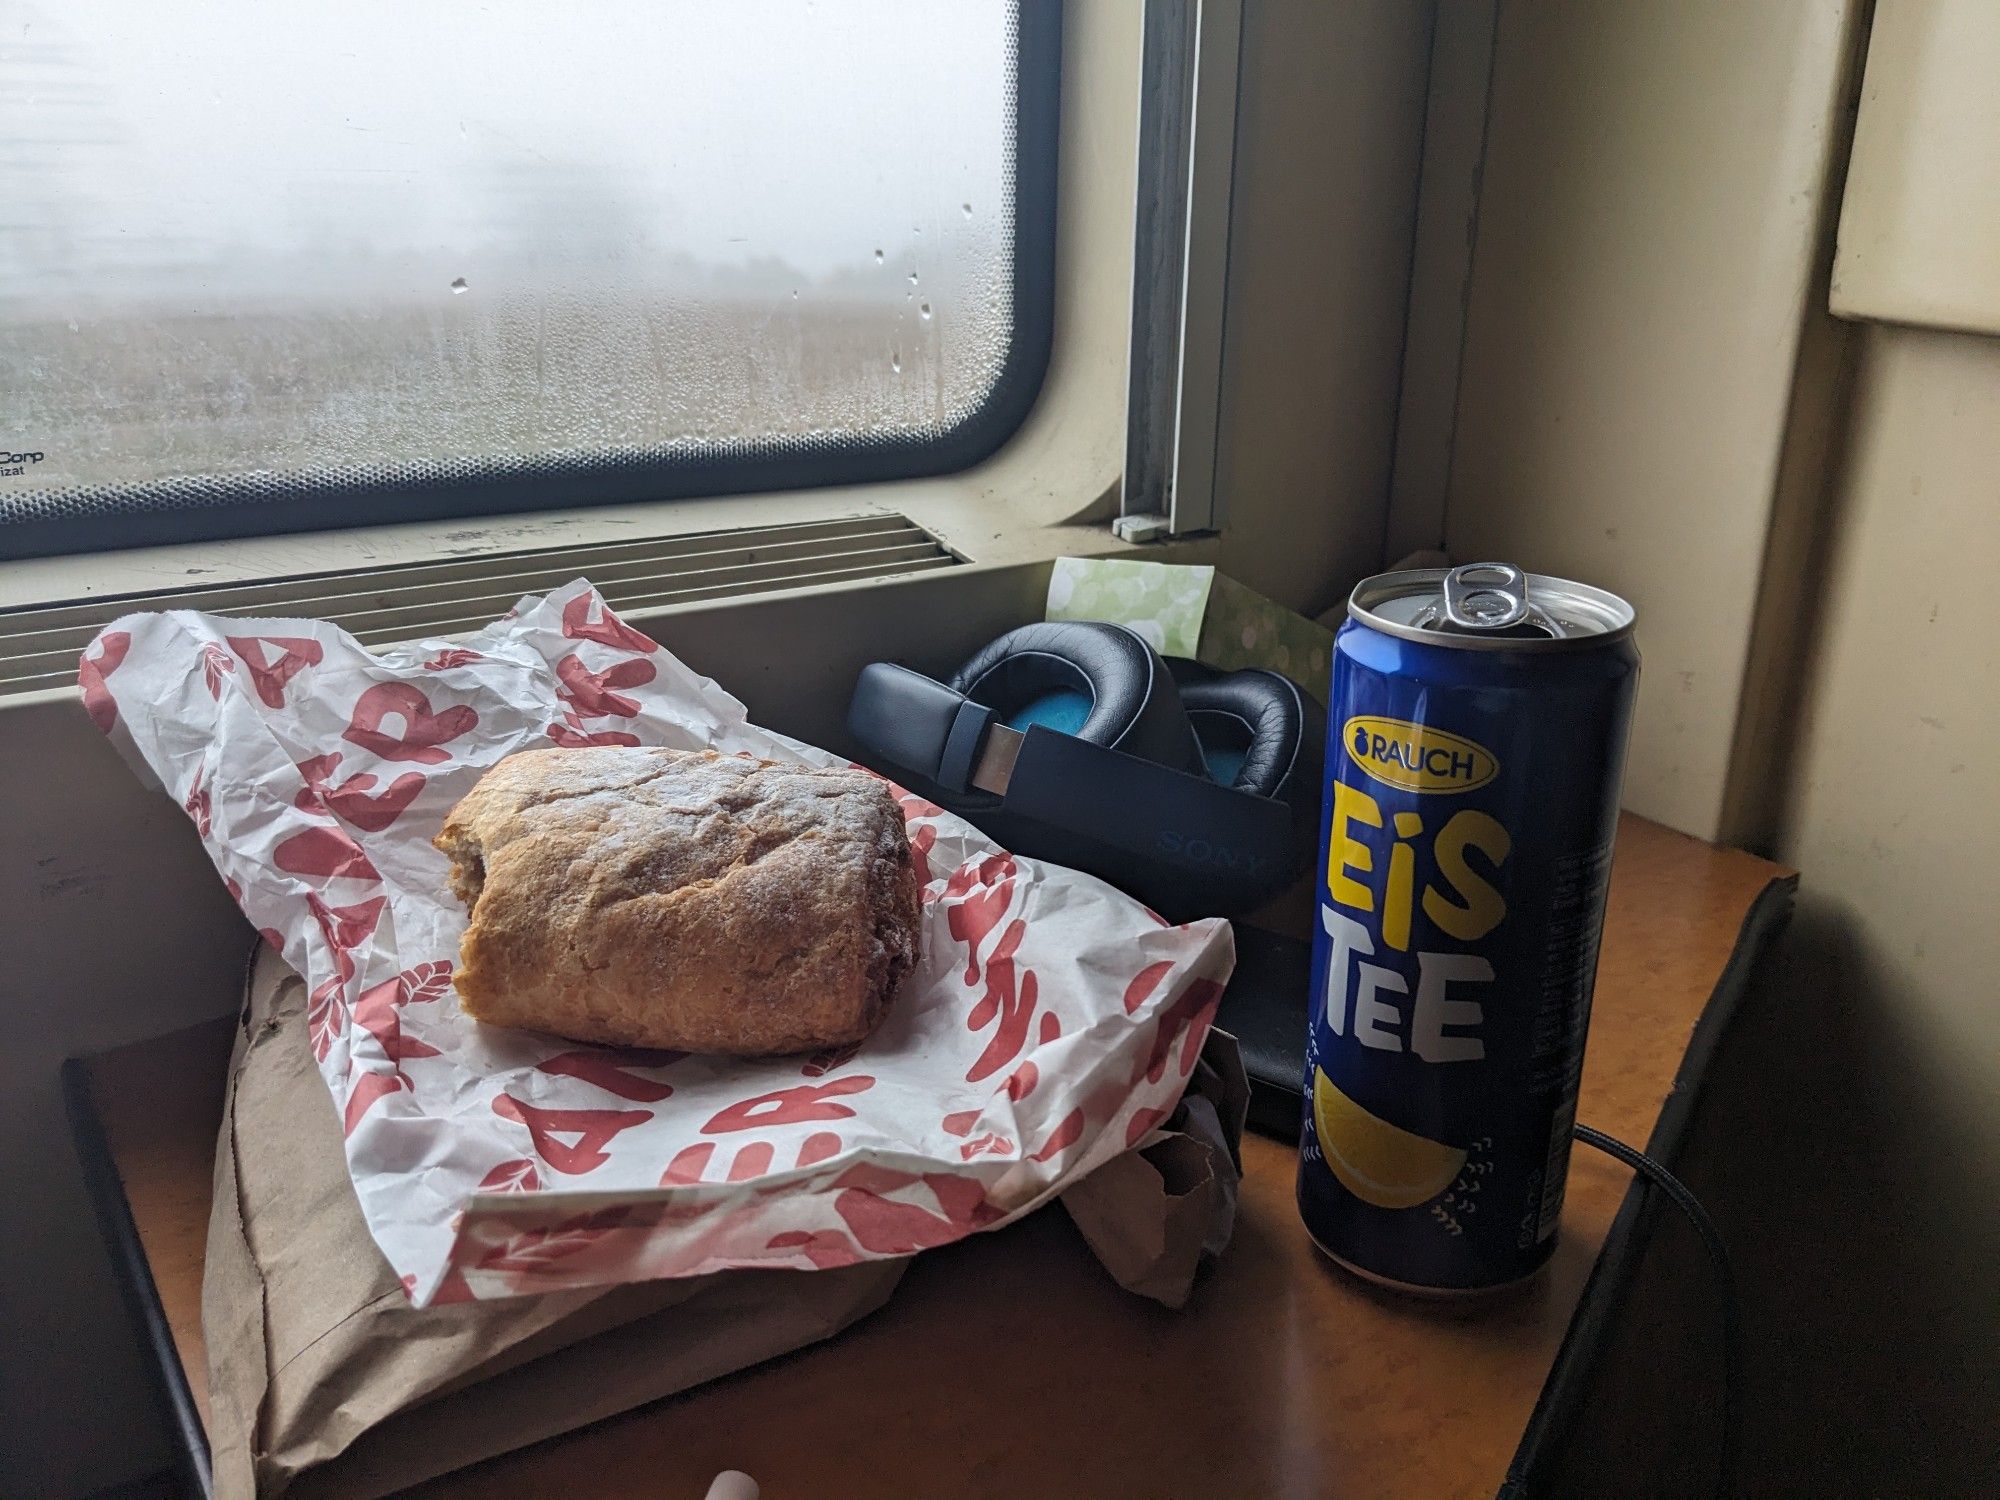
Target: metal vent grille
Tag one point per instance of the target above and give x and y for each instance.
(39, 646)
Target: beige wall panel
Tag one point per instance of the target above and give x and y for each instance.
(1329, 128)
(1920, 223)
(1894, 816)
(1849, 1137)
(1440, 273)
(1894, 812)
(1651, 201)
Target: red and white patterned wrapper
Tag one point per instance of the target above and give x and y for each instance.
(1051, 1024)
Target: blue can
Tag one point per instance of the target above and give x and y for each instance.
(1475, 743)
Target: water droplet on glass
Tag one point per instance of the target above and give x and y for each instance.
(913, 278)
(966, 209)
(896, 363)
(878, 257)
(924, 310)
(795, 294)
(458, 286)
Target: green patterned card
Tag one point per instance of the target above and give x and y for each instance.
(1195, 612)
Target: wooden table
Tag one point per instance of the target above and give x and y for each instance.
(1009, 1365)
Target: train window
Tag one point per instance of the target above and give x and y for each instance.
(281, 267)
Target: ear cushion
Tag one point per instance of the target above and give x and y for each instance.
(1133, 703)
(1260, 716)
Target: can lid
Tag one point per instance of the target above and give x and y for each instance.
(1490, 607)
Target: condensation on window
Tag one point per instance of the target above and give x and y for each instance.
(244, 236)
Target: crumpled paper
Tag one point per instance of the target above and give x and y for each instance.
(1051, 1024)
(1153, 1215)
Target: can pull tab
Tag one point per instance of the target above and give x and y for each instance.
(1486, 596)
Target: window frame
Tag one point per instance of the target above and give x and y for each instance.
(1190, 61)
(320, 498)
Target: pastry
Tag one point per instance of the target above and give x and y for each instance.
(681, 899)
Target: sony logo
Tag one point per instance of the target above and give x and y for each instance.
(1201, 851)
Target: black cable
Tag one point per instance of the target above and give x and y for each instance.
(1725, 1278)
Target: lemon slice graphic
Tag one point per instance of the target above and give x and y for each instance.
(1379, 1163)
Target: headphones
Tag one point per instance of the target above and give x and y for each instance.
(1195, 790)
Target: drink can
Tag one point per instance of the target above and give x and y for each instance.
(1475, 742)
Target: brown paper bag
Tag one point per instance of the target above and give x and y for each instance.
(316, 1362)
(323, 1380)
(1152, 1215)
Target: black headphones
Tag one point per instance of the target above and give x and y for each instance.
(1195, 790)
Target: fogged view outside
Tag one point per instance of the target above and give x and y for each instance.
(244, 235)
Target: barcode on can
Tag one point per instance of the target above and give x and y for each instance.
(1555, 1170)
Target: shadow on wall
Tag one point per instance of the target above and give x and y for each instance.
(1860, 1219)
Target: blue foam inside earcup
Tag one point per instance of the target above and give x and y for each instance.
(1224, 763)
(1063, 710)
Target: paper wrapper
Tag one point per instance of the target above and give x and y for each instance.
(323, 1380)
(1051, 1024)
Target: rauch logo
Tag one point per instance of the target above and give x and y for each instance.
(1416, 757)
